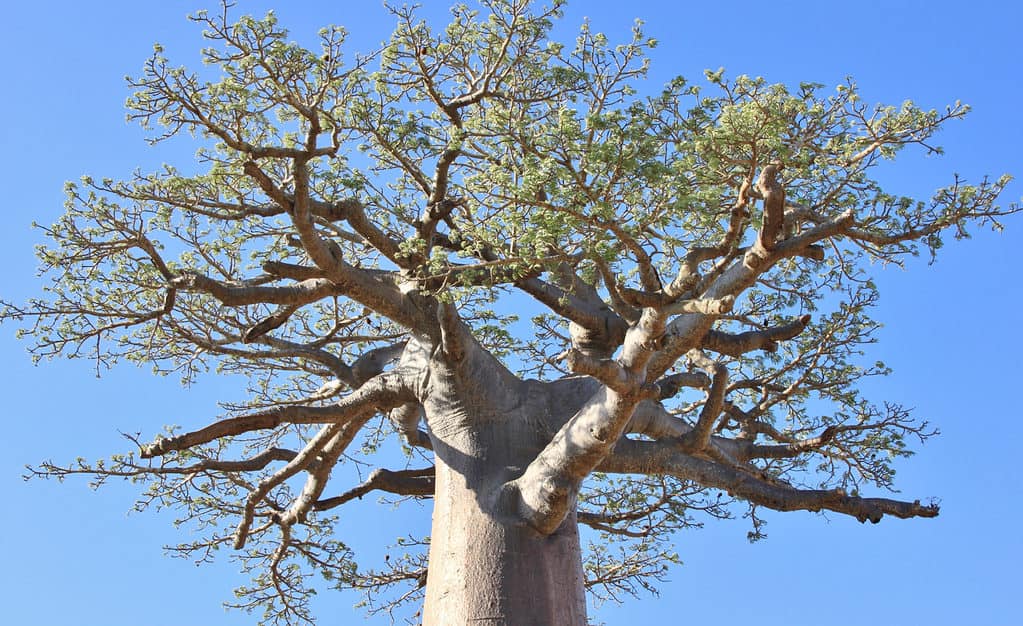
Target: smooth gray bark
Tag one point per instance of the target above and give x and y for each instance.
(487, 565)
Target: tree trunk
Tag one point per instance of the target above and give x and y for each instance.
(487, 566)
(487, 570)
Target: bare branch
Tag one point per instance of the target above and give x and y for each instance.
(383, 392)
(699, 437)
(274, 321)
(672, 384)
(767, 339)
(773, 195)
(302, 461)
(418, 482)
(305, 292)
(664, 458)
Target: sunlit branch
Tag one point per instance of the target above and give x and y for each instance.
(418, 482)
(301, 462)
(305, 292)
(672, 384)
(699, 437)
(319, 472)
(741, 343)
(664, 458)
(127, 469)
(381, 393)
(268, 324)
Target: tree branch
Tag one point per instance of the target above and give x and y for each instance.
(773, 195)
(655, 457)
(383, 392)
(671, 385)
(275, 321)
(688, 330)
(698, 438)
(305, 292)
(417, 482)
(546, 491)
(319, 472)
(302, 460)
(738, 344)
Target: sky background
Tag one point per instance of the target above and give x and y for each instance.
(74, 557)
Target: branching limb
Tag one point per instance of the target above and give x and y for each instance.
(625, 310)
(270, 323)
(305, 292)
(319, 473)
(738, 344)
(301, 462)
(417, 482)
(376, 290)
(653, 420)
(689, 275)
(128, 469)
(245, 423)
(664, 458)
(384, 392)
(804, 243)
(688, 330)
(699, 437)
(773, 195)
(596, 328)
(671, 385)
(546, 490)
(570, 306)
(796, 447)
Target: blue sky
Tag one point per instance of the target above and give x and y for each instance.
(73, 556)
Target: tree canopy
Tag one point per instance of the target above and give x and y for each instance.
(675, 283)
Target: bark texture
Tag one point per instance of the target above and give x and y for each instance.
(487, 565)
(489, 568)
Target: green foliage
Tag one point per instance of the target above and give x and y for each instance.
(548, 155)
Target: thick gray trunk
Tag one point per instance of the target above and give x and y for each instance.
(487, 565)
(488, 570)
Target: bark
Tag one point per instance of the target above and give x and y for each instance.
(486, 564)
(492, 569)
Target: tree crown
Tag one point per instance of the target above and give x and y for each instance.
(700, 253)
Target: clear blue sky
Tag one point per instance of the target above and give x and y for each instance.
(73, 557)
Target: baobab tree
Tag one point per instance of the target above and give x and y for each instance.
(695, 261)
